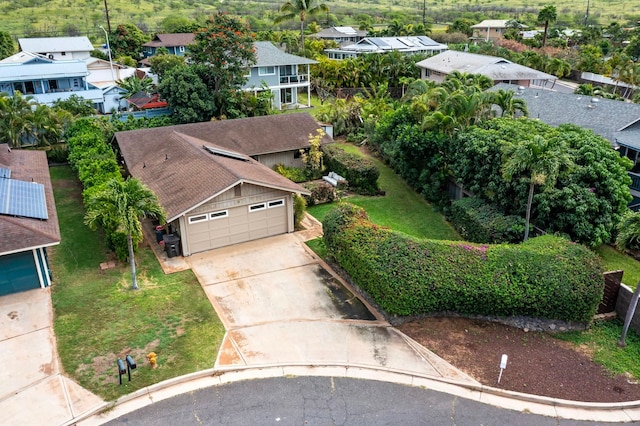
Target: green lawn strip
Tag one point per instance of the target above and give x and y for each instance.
(97, 318)
(400, 209)
(615, 260)
(601, 339)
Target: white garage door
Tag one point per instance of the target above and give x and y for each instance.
(236, 225)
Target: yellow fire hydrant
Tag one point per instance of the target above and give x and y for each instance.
(153, 359)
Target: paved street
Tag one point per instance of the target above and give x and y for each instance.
(325, 401)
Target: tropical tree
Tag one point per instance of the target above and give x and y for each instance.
(508, 104)
(629, 237)
(75, 105)
(127, 40)
(547, 14)
(7, 46)
(541, 158)
(16, 114)
(300, 9)
(133, 85)
(121, 204)
(161, 64)
(461, 25)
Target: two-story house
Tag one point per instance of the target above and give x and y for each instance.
(58, 48)
(45, 79)
(286, 75)
(341, 35)
(177, 44)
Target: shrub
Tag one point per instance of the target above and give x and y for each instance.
(547, 277)
(58, 154)
(292, 173)
(299, 207)
(321, 192)
(479, 222)
(361, 173)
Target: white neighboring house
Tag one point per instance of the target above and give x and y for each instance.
(59, 48)
(500, 70)
(407, 45)
(47, 80)
(341, 35)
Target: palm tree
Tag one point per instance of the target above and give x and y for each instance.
(292, 9)
(133, 85)
(628, 237)
(508, 104)
(121, 204)
(547, 14)
(16, 113)
(542, 159)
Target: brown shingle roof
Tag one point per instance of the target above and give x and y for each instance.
(20, 233)
(173, 162)
(171, 40)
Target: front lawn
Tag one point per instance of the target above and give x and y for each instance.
(615, 260)
(400, 209)
(97, 318)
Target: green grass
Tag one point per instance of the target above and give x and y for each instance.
(400, 209)
(97, 318)
(615, 260)
(601, 339)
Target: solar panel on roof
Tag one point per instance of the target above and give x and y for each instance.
(5, 173)
(20, 198)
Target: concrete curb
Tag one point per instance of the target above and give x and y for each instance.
(546, 406)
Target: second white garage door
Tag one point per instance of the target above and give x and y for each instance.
(235, 225)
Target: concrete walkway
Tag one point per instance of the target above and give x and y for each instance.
(33, 391)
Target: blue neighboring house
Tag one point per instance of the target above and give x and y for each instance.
(47, 80)
(177, 44)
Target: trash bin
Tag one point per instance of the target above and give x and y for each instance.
(171, 245)
(160, 232)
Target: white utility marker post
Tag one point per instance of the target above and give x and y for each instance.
(503, 365)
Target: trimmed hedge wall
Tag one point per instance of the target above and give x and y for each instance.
(546, 277)
(478, 222)
(361, 173)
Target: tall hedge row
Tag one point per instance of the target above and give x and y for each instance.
(546, 277)
(479, 222)
(361, 173)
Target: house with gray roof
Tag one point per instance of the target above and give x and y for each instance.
(616, 121)
(176, 44)
(28, 220)
(406, 45)
(58, 48)
(285, 75)
(491, 29)
(215, 179)
(499, 70)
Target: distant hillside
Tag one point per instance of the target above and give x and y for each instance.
(24, 18)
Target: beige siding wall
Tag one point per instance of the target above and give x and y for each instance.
(250, 194)
(285, 158)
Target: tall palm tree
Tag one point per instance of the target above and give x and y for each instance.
(542, 159)
(628, 237)
(547, 14)
(133, 85)
(508, 104)
(120, 205)
(292, 9)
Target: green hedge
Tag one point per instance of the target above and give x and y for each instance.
(546, 277)
(361, 173)
(479, 222)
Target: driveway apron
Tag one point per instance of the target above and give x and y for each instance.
(281, 304)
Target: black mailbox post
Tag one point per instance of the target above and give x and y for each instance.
(130, 362)
(121, 369)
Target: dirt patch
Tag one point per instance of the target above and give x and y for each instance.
(538, 363)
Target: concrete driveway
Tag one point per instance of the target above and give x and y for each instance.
(281, 305)
(32, 389)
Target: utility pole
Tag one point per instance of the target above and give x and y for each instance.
(106, 11)
(424, 13)
(586, 15)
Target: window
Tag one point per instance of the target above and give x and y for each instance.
(199, 218)
(276, 203)
(76, 82)
(256, 207)
(266, 70)
(64, 53)
(219, 215)
(286, 96)
(181, 49)
(53, 84)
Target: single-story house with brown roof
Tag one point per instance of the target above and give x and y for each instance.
(28, 220)
(215, 179)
